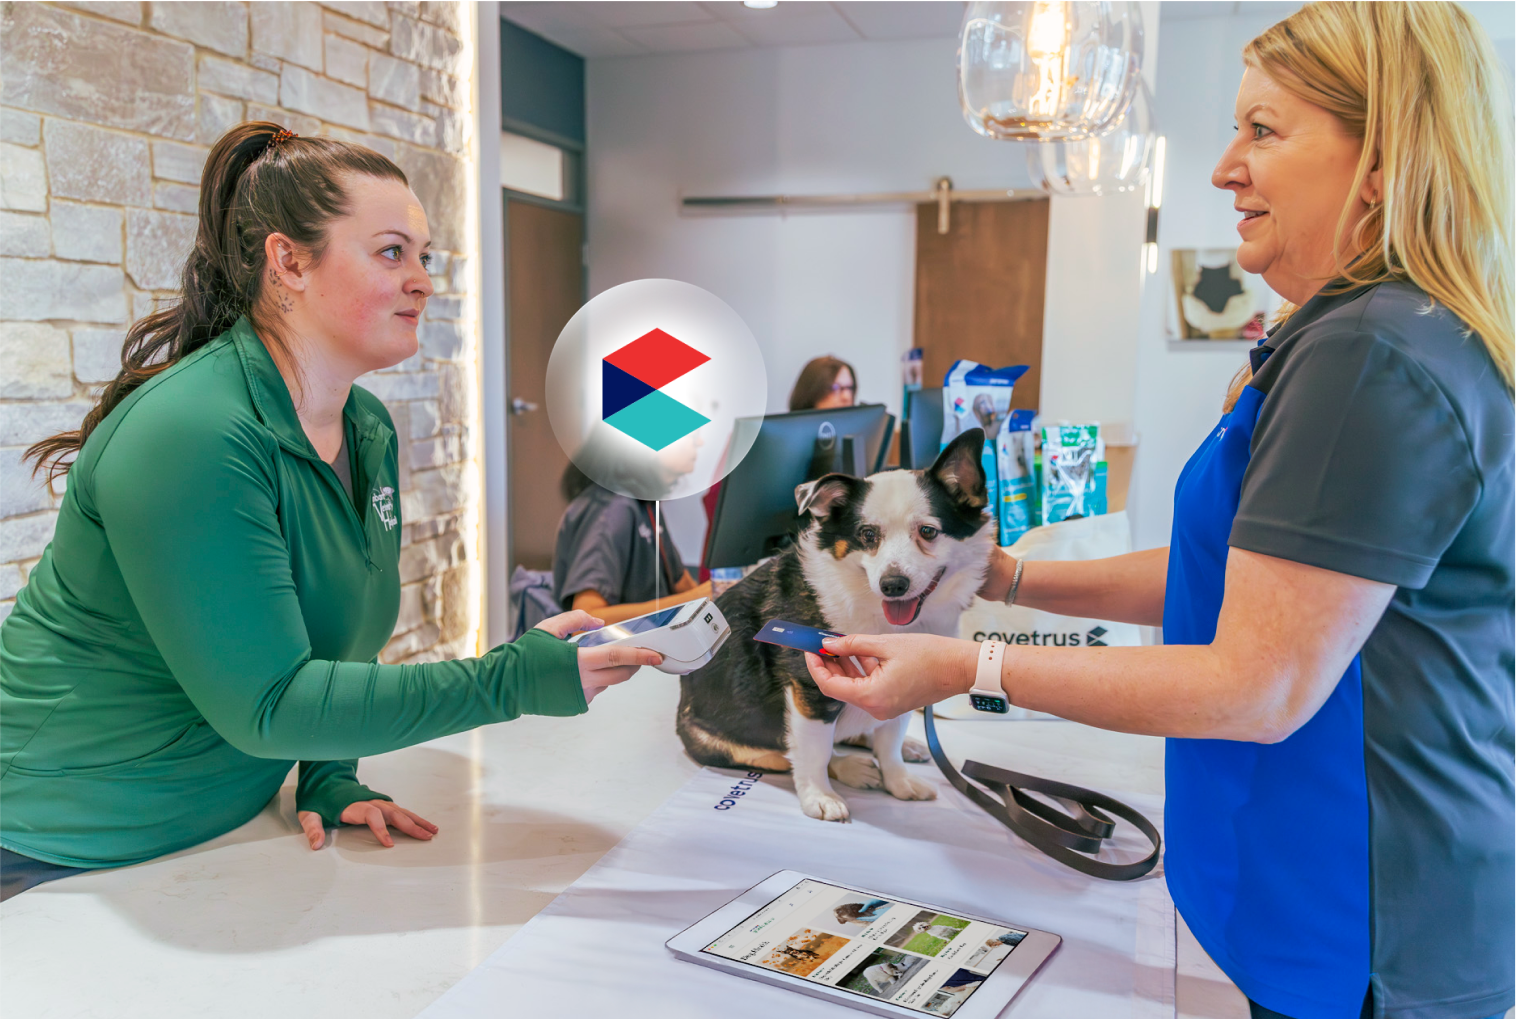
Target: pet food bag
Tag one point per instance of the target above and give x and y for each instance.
(975, 396)
(1095, 537)
(1073, 480)
(1016, 476)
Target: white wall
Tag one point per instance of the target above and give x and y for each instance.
(857, 117)
(807, 120)
(1180, 386)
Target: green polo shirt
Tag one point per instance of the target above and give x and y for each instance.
(209, 612)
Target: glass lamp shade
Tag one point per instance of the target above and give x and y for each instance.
(1046, 69)
(1119, 160)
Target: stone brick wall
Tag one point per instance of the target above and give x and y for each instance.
(107, 111)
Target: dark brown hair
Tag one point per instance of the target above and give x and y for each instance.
(258, 180)
(816, 379)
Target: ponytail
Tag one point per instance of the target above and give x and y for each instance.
(259, 179)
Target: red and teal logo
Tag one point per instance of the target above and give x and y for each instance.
(632, 382)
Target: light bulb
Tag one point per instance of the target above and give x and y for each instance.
(1049, 31)
(1048, 69)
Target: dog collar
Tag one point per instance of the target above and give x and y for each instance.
(988, 694)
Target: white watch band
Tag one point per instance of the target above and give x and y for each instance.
(987, 694)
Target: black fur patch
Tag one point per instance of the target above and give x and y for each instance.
(843, 524)
(961, 511)
(739, 697)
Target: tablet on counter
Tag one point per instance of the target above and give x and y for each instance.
(870, 951)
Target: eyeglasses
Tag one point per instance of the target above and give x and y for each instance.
(840, 388)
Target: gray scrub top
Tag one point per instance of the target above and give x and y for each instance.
(1384, 450)
(605, 544)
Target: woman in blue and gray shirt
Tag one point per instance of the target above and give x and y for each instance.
(1336, 678)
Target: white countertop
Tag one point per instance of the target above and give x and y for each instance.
(254, 921)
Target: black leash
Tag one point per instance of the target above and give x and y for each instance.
(1065, 837)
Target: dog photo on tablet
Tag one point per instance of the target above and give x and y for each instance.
(896, 552)
(803, 952)
(927, 933)
(882, 973)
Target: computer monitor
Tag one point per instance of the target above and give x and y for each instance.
(755, 511)
(921, 428)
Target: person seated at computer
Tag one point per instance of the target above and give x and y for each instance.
(825, 383)
(606, 559)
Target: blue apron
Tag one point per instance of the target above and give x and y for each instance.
(1267, 853)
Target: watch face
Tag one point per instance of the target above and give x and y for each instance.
(988, 702)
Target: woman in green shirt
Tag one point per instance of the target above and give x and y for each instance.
(225, 568)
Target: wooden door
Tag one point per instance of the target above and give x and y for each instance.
(979, 289)
(545, 286)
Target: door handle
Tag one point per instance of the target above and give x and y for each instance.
(520, 406)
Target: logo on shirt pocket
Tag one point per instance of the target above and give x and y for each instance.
(384, 505)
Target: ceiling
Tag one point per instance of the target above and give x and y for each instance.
(626, 29)
(634, 27)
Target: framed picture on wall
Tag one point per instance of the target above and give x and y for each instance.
(1215, 299)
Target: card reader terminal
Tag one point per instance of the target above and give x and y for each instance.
(688, 635)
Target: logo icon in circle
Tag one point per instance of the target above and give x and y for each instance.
(656, 389)
(632, 382)
(826, 435)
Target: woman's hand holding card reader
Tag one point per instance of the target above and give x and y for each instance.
(687, 635)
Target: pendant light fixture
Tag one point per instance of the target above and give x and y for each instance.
(1119, 160)
(1043, 70)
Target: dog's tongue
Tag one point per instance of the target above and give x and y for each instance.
(900, 611)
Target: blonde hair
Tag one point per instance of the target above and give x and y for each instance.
(1421, 84)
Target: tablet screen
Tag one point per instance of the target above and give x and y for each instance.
(917, 958)
(639, 624)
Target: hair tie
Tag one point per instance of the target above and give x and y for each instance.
(281, 136)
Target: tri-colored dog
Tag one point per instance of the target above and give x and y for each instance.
(897, 552)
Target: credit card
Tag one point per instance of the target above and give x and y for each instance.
(795, 635)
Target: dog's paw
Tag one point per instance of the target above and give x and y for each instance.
(824, 805)
(905, 787)
(856, 770)
(915, 751)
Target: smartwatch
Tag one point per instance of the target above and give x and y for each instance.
(987, 694)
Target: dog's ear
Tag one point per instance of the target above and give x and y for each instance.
(819, 496)
(959, 469)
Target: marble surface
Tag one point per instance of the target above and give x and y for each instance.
(255, 921)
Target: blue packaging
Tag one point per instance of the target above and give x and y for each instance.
(975, 396)
(1016, 477)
